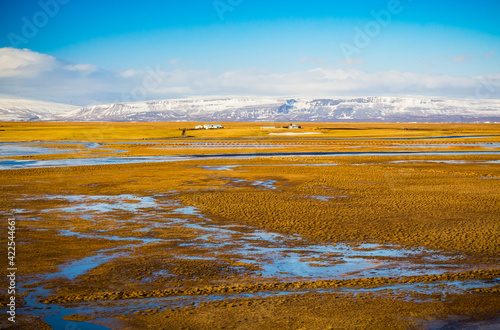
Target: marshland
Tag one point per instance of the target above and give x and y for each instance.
(144, 225)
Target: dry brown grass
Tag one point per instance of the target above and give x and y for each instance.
(47, 131)
(447, 207)
(322, 311)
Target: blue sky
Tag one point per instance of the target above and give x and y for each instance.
(85, 52)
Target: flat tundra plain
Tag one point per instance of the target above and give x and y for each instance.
(148, 225)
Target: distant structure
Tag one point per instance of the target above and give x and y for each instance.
(212, 126)
(293, 126)
(209, 126)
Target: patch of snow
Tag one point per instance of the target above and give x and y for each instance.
(25, 110)
(266, 109)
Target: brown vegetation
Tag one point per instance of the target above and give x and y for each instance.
(401, 201)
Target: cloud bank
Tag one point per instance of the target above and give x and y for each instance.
(28, 74)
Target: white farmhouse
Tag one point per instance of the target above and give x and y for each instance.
(212, 126)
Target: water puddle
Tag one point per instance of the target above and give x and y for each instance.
(101, 203)
(45, 148)
(275, 254)
(66, 232)
(79, 267)
(232, 167)
(409, 292)
(7, 150)
(443, 145)
(53, 314)
(327, 198)
(272, 255)
(266, 184)
(6, 164)
(221, 168)
(442, 161)
(290, 257)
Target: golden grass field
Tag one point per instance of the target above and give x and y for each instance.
(163, 268)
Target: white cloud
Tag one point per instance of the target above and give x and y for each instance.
(24, 63)
(430, 62)
(352, 61)
(461, 58)
(87, 68)
(321, 81)
(131, 73)
(316, 60)
(28, 74)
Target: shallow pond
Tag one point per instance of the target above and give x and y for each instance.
(8, 149)
(277, 256)
(6, 164)
(44, 148)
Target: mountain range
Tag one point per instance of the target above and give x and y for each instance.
(261, 109)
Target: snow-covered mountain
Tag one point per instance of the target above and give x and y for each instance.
(27, 110)
(356, 109)
(368, 109)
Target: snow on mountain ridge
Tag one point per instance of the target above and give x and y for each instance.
(281, 109)
(25, 110)
(375, 108)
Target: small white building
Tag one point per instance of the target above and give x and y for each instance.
(198, 127)
(212, 126)
(293, 126)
